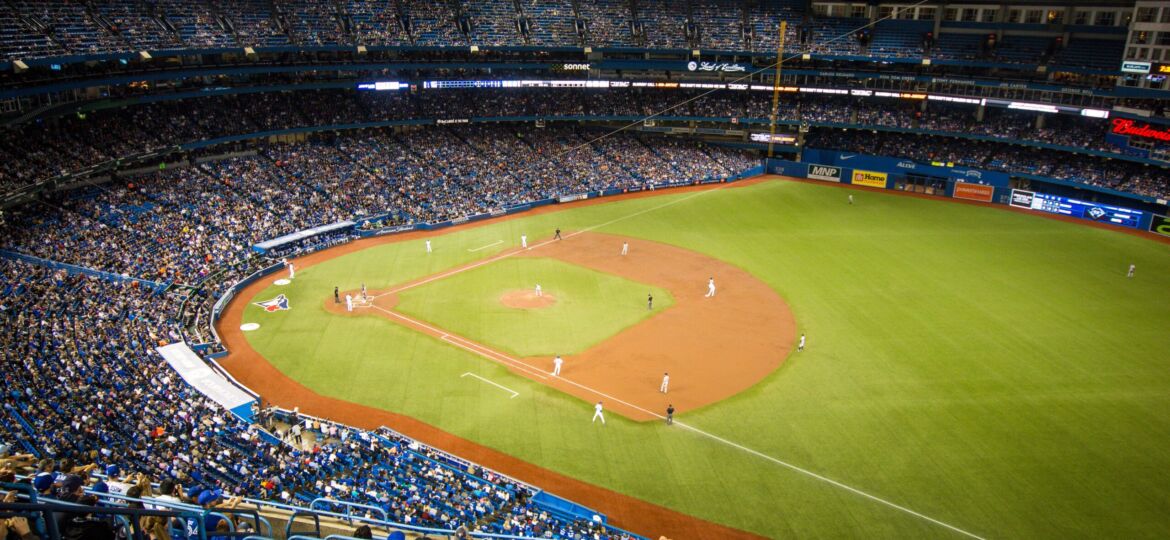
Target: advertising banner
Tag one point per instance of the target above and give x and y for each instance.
(869, 178)
(1022, 199)
(973, 192)
(824, 172)
(1160, 225)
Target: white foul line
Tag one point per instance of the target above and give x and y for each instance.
(496, 243)
(506, 360)
(505, 388)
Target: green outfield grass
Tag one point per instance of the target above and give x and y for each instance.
(989, 369)
(590, 306)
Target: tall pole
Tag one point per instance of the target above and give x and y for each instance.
(776, 86)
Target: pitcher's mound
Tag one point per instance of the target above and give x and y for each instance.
(527, 299)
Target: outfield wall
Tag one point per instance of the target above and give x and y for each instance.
(965, 183)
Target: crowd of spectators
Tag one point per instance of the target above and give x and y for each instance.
(37, 28)
(92, 406)
(41, 150)
(181, 225)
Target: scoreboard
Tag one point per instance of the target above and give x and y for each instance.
(1054, 204)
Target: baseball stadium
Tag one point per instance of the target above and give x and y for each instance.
(584, 269)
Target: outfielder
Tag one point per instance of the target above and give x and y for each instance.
(1132, 268)
(539, 292)
(557, 366)
(710, 287)
(348, 303)
(850, 198)
(597, 414)
(428, 246)
(801, 346)
(665, 382)
(524, 241)
(625, 247)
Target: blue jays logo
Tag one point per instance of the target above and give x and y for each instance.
(280, 303)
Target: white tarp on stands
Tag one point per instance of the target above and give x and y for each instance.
(199, 375)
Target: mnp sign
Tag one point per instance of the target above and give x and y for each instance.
(869, 178)
(824, 172)
(1160, 225)
(973, 192)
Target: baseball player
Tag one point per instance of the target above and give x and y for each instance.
(597, 414)
(710, 287)
(557, 366)
(292, 270)
(801, 346)
(625, 247)
(428, 246)
(665, 382)
(1132, 268)
(649, 301)
(850, 198)
(348, 303)
(558, 235)
(669, 414)
(336, 296)
(539, 292)
(524, 241)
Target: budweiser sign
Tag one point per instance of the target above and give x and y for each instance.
(1125, 126)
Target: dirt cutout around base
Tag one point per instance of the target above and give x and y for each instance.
(275, 388)
(526, 299)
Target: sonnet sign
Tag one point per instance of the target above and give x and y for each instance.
(1125, 126)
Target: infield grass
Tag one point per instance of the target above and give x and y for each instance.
(590, 306)
(993, 370)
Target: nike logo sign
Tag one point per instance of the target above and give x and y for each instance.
(843, 158)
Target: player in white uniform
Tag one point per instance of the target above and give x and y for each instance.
(1132, 268)
(539, 292)
(557, 366)
(851, 198)
(625, 247)
(710, 287)
(801, 346)
(428, 246)
(597, 413)
(348, 303)
(524, 241)
(292, 271)
(665, 382)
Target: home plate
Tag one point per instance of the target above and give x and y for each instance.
(248, 327)
(282, 281)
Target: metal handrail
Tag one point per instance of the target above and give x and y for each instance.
(347, 505)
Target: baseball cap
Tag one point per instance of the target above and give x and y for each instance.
(101, 487)
(207, 497)
(43, 481)
(111, 470)
(71, 483)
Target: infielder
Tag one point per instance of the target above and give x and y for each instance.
(597, 414)
(1132, 268)
(557, 366)
(650, 301)
(558, 235)
(669, 414)
(428, 246)
(625, 247)
(801, 346)
(348, 303)
(665, 382)
(524, 241)
(336, 296)
(539, 292)
(364, 297)
(710, 287)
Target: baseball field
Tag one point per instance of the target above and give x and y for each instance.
(969, 371)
